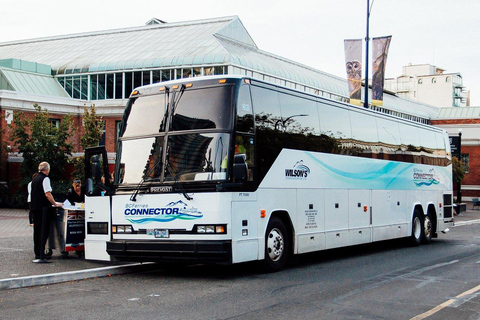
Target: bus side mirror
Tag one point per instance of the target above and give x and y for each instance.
(89, 188)
(240, 168)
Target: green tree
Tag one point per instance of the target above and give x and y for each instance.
(93, 126)
(38, 139)
(458, 170)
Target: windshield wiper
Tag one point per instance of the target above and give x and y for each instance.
(174, 103)
(174, 176)
(167, 106)
(133, 197)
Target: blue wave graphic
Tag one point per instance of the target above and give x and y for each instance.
(426, 183)
(373, 173)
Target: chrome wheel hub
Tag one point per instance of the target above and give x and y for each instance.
(275, 244)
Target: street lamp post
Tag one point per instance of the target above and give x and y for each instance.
(459, 184)
(367, 40)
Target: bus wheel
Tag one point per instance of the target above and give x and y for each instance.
(428, 229)
(417, 229)
(277, 245)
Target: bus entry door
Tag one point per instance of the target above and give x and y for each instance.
(97, 204)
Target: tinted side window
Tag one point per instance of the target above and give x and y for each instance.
(409, 136)
(389, 133)
(266, 107)
(244, 110)
(389, 139)
(299, 115)
(334, 121)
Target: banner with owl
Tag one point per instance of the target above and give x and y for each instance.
(353, 58)
(379, 57)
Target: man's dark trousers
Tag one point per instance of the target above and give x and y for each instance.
(41, 230)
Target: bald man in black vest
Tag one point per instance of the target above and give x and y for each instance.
(42, 202)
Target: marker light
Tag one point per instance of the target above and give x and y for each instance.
(365, 208)
(135, 92)
(175, 86)
(263, 213)
(161, 89)
(247, 81)
(222, 81)
(189, 85)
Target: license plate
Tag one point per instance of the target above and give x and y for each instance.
(159, 233)
(161, 189)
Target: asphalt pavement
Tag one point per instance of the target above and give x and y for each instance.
(16, 251)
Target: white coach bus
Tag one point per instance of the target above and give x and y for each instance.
(232, 169)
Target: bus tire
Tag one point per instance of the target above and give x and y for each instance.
(428, 228)
(277, 245)
(417, 229)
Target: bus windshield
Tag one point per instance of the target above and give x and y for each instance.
(177, 136)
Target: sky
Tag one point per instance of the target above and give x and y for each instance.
(438, 32)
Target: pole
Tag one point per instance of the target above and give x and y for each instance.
(459, 184)
(367, 39)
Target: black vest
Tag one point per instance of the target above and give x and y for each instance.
(39, 200)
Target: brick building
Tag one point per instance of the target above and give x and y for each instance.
(466, 121)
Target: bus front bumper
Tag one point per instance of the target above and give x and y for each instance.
(205, 251)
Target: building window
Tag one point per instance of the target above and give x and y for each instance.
(465, 158)
(167, 75)
(128, 84)
(110, 86)
(54, 122)
(118, 85)
(146, 77)
(137, 79)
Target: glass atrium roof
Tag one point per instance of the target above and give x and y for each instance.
(459, 113)
(159, 45)
(27, 82)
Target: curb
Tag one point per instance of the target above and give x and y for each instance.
(466, 223)
(52, 278)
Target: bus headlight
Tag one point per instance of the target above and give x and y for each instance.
(122, 229)
(211, 229)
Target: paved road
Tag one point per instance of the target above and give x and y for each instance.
(16, 251)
